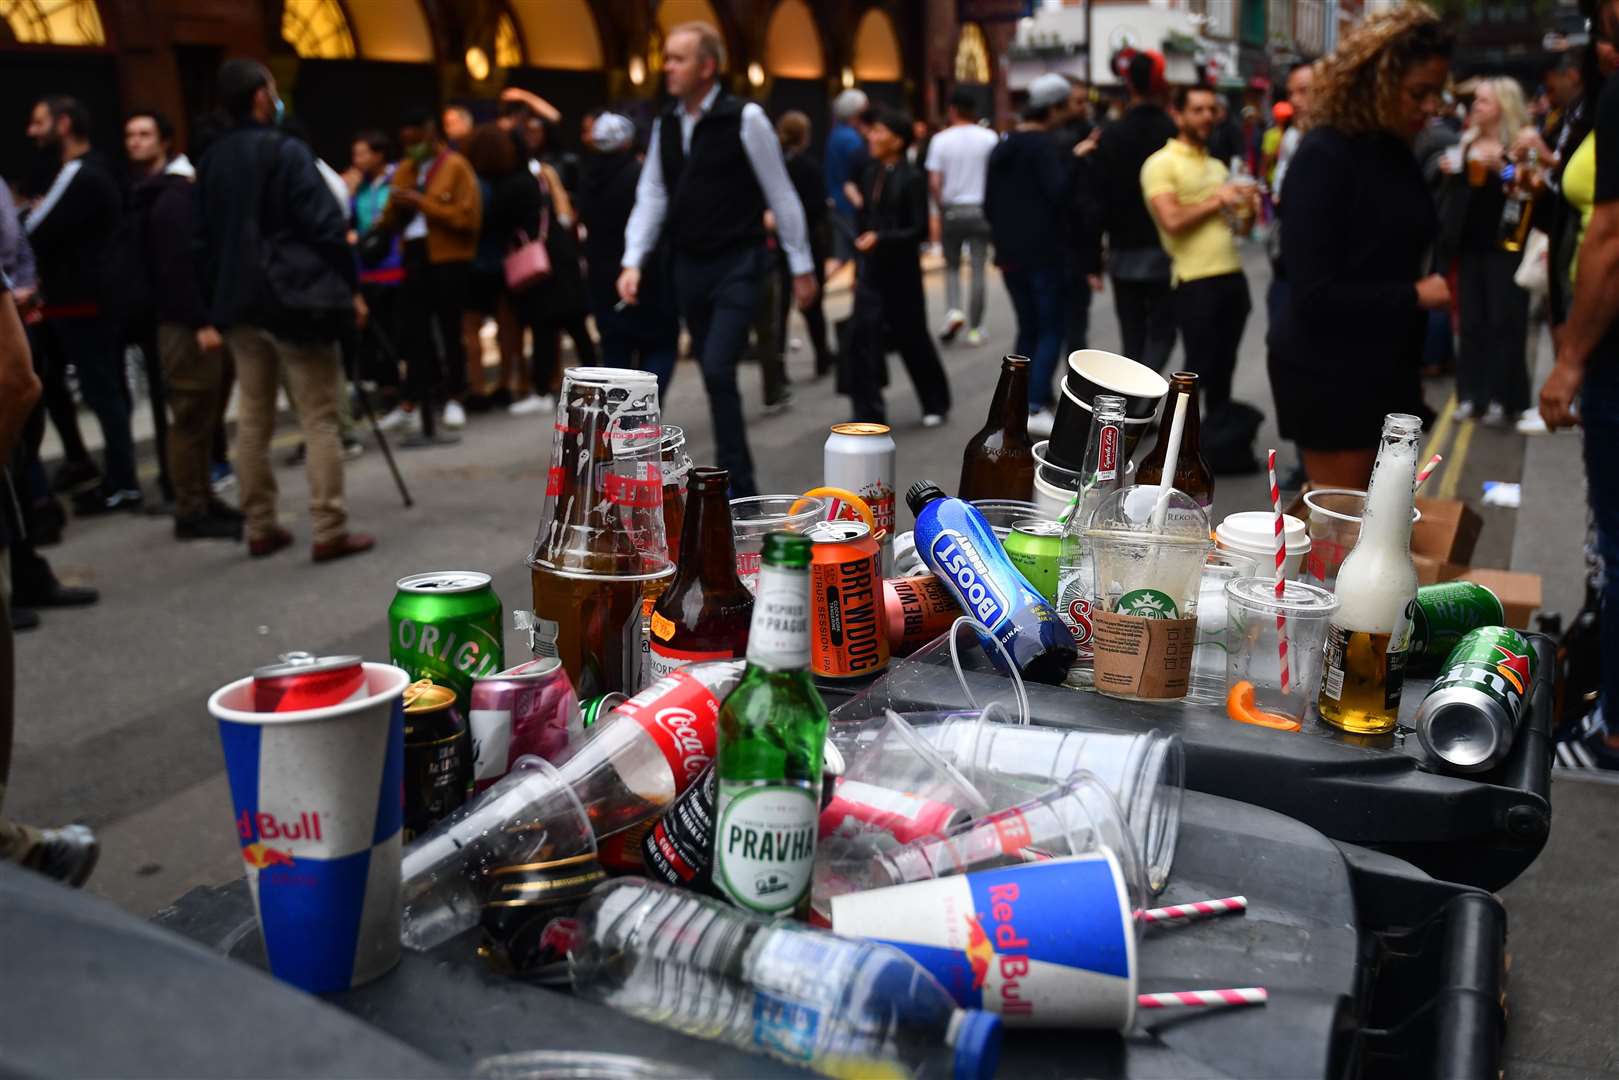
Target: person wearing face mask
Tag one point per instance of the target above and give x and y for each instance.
(279, 285)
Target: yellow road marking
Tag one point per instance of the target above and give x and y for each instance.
(1441, 431)
(1457, 460)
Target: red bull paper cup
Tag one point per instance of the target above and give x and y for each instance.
(318, 796)
(1044, 944)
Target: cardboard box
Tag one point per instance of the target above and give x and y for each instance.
(1449, 530)
(1519, 592)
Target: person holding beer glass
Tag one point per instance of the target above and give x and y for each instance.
(1358, 225)
(1492, 380)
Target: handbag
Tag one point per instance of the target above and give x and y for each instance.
(529, 263)
(1532, 274)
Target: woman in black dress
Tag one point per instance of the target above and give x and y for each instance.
(1358, 225)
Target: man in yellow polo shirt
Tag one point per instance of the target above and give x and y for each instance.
(1193, 201)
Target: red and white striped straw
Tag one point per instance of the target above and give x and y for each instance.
(1427, 470)
(1198, 909)
(1281, 559)
(1245, 995)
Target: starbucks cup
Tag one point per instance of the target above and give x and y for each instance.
(1253, 533)
(1043, 944)
(318, 798)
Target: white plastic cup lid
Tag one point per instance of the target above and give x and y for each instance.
(1255, 530)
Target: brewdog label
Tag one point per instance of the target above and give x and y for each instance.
(764, 845)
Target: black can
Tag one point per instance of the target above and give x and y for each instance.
(438, 756)
(679, 849)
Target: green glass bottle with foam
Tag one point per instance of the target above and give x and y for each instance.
(768, 746)
(1370, 635)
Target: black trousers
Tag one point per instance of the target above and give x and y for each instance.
(889, 306)
(373, 362)
(144, 337)
(1211, 313)
(717, 295)
(1076, 307)
(433, 298)
(814, 315)
(1146, 320)
(1491, 366)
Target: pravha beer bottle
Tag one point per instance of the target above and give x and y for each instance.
(769, 746)
(1370, 633)
(1192, 473)
(999, 459)
(705, 612)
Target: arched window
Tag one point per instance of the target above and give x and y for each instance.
(972, 55)
(792, 43)
(508, 50)
(53, 22)
(317, 29)
(559, 34)
(392, 30)
(876, 49)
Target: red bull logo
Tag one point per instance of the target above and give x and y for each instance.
(1002, 946)
(253, 827)
(260, 856)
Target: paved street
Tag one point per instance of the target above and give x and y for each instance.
(112, 727)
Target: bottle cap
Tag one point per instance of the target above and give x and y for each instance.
(921, 493)
(978, 1045)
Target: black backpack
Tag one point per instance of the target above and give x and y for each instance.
(305, 297)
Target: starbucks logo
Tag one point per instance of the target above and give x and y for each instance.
(1147, 604)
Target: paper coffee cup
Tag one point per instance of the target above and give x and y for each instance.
(1042, 944)
(318, 797)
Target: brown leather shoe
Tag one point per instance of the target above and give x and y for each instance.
(261, 546)
(348, 544)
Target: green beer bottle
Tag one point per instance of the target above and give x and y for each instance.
(768, 747)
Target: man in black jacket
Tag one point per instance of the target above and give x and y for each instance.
(278, 280)
(713, 165)
(160, 221)
(69, 228)
(1136, 261)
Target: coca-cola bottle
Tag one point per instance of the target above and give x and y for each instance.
(1099, 476)
(999, 459)
(705, 612)
(1192, 473)
(627, 770)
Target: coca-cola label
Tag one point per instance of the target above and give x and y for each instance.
(678, 712)
(1107, 462)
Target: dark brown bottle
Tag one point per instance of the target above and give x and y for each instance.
(999, 460)
(706, 611)
(1192, 474)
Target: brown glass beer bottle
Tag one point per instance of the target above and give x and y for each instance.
(1192, 474)
(706, 611)
(999, 460)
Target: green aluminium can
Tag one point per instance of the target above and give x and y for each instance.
(447, 626)
(1470, 716)
(593, 711)
(1035, 547)
(1444, 613)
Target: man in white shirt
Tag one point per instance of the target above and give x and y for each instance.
(957, 158)
(712, 167)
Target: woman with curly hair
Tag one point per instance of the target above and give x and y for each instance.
(1359, 221)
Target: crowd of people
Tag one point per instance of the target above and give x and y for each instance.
(1412, 223)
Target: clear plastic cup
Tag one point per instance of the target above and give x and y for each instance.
(1253, 641)
(1002, 514)
(899, 759)
(756, 515)
(1208, 685)
(960, 670)
(1333, 520)
(603, 508)
(530, 815)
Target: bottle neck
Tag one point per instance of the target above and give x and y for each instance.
(1009, 409)
(1386, 522)
(707, 544)
(779, 635)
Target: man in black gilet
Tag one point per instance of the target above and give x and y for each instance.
(712, 168)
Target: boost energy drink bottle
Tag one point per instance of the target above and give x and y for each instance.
(958, 545)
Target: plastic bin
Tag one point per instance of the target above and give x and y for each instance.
(1384, 793)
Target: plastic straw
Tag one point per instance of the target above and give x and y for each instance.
(1281, 558)
(1198, 909)
(1172, 455)
(1427, 471)
(1244, 995)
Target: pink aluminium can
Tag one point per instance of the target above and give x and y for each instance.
(527, 709)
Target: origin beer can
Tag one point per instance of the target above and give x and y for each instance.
(1042, 944)
(860, 458)
(1470, 716)
(1035, 548)
(848, 627)
(446, 626)
(438, 756)
(1447, 611)
(300, 680)
(919, 609)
